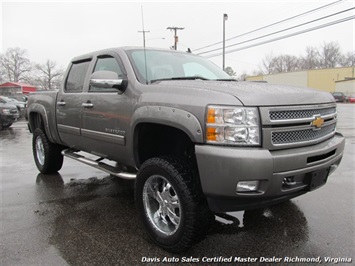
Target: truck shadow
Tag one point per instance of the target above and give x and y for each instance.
(96, 223)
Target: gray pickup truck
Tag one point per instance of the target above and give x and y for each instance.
(196, 141)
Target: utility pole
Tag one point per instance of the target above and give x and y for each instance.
(143, 31)
(225, 17)
(176, 38)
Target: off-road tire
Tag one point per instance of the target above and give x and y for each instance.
(194, 214)
(51, 160)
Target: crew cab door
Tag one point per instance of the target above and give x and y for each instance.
(69, 104)
(106, 113)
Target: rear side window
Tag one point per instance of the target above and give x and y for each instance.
(76, 77)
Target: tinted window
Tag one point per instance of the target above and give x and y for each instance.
(107, 63)
(76, 77)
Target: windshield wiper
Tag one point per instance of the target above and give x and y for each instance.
(179, 78)
(225, 79)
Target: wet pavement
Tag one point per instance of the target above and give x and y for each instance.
(83, 216)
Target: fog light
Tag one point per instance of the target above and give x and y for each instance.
(247, 186)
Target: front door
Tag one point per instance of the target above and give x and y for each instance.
(106, 114)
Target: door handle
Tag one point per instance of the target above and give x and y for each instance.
(61, 103)
(87, 105)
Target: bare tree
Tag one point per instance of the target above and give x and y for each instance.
(15, 64)
(311, 59)
(48, 75)
(282, 63)
(2, 75)
(285, 63)
(347, 60)
(242, 77)
(329, 55)
(268, 66)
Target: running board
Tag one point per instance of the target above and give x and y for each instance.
(115, 171)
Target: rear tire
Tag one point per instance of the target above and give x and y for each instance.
(171, 204)
(47, 155)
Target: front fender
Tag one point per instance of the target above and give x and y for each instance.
(168, 116)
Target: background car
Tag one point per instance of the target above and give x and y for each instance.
(21, 106)
(8, 115)
(19, 97)
(339, 97)
(351, 98)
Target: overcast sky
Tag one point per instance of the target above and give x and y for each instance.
(62, 30)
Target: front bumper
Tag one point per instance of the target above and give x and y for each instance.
(5, 119)
(221, 168)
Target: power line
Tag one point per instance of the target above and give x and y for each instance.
(273, 24)
(276, 32)
(286, 36)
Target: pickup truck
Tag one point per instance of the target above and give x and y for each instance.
(196, 141)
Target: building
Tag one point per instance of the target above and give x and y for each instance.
(347, 86)
(321, 79)
(11, 88)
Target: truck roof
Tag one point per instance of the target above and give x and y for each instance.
(116, 49)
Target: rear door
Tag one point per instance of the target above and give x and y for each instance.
(69, 104)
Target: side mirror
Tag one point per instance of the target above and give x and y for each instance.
(107, 80)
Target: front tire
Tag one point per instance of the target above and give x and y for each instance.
(47, 155)
(171, 204)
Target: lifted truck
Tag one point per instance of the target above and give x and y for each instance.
(195, 140)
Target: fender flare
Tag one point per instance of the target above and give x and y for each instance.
(177, 118)
(39, 109)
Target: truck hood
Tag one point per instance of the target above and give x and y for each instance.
(253, 93)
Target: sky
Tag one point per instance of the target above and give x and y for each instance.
(62, 30)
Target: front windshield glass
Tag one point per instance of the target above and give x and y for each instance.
(163, 65)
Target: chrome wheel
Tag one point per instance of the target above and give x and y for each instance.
(161, 204)
(40, 150)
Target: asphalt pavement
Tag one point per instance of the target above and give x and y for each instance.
(82, 216)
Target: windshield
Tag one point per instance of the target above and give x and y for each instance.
(163, 65)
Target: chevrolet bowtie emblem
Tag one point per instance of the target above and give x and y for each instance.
(318, 122)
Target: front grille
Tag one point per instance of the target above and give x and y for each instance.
(300, 114)
(299, 136)
(13, 111)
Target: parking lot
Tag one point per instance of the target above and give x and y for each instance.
(82, 216)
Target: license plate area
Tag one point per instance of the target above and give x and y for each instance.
(317, 178)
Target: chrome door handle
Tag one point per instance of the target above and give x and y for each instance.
(61, 103)
(87, 105)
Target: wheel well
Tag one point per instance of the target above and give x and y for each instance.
(36, 121)
(153, 140)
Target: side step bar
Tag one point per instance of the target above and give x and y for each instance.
(115, 171)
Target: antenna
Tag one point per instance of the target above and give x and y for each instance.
(145, 54)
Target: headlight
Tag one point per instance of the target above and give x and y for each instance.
(233, 125)
(6, 111)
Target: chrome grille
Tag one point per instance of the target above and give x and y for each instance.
(298, 136)
(300, 114)
(294, 126)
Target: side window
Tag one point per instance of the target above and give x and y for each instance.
(76, 77)
(107, 63)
